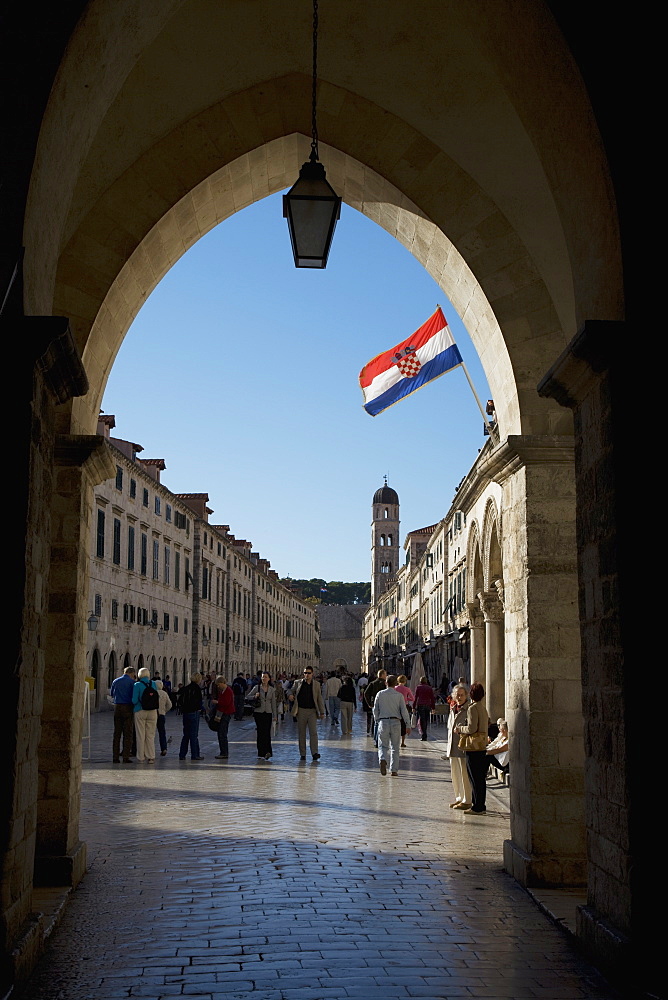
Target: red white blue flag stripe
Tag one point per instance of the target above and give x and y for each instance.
(422, 357)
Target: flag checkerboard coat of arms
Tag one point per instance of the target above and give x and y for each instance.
(408, 362)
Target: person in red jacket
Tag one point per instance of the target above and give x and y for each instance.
(424, 703)
(224, 708)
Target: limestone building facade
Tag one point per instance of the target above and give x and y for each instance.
(173, 592)
(444, 612)
(340, 631)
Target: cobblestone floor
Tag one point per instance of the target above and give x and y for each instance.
(241, 880)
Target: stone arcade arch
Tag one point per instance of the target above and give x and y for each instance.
(491, 603)
(505, 201)
(95, 671)
(475, 580)
(111, 669)
(507, 360)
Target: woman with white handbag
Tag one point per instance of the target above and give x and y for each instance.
(474, 739)
(461, 783)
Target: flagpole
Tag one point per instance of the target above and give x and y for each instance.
(477, 398)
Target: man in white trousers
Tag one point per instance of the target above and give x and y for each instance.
(389, 708)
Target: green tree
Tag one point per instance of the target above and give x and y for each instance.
(332, 592)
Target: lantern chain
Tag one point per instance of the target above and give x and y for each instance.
(314, 123)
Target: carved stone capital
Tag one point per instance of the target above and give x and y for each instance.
(476, 617)
(88, 451)
(584, 362)
(56, 356)
(492, 608)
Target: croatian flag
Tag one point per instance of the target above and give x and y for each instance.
(425, 355)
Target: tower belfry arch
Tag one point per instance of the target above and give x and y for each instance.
(151, 131)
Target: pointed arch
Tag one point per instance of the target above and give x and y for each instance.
(475, 578)
(491, 544)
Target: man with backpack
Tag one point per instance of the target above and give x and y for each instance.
(145, 700)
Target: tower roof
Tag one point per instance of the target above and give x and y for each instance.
(385, 495)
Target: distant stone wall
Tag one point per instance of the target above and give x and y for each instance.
(341, 635)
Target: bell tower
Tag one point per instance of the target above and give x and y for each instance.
(384, 539)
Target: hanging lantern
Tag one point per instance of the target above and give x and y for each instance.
(312, 209)
(311, 206)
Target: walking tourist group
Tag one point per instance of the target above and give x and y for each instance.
(394, 707)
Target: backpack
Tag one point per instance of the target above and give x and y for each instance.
(149, 697)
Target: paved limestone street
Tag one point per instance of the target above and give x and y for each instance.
(242, 879)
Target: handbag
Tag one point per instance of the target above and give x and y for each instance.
(213, 720)
(473, 741)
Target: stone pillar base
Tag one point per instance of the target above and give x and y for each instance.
(608, 946)
(551, 871)
(65, 869)
(22, 958)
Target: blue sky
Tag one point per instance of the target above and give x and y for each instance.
(242, 373)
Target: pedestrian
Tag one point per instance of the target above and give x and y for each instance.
(145, 701)
(475, 746)
(331, 693)
(348, 702)
(425, 702)
(190, 701)
(281, 698)
(498, 751)
(389, 709)
(224, 710)
(461, 783)
(265, 712)
(409, 698)
(307, 707)
(370, 692)
(239, 692)
(164, 706)
(122, 689)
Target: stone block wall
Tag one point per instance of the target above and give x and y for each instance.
(341, 635)
(27, 549)
(543, 662)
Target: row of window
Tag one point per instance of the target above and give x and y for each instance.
(180, 519)
(169, 577)
(136, 614)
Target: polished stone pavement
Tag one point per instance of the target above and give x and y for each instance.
(247, 880)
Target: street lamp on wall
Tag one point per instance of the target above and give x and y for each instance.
(93, 622)
(312, 206)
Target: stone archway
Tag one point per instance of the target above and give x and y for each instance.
(505, 202)
(474, 585)
(491, 604)
(511, 365)
(111, 669)
(95, 672)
